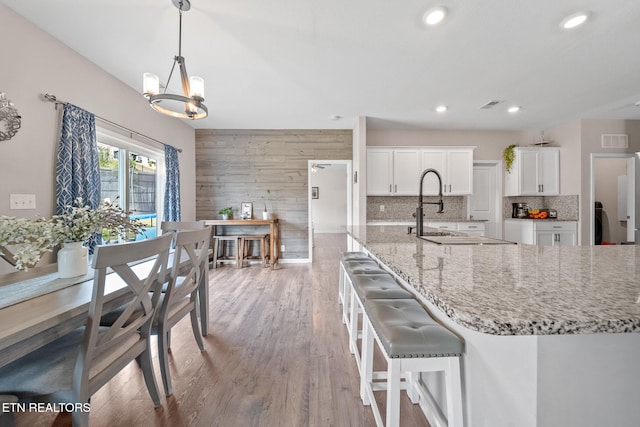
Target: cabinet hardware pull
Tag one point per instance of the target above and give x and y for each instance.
(389, 188)
(395, 188)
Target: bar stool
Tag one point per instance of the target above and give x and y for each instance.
(411, 343)
(353, 268)
(220, 256)
(366, 287)
(264, 244)
(347, 256)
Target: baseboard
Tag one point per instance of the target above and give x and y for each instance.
(293, 261)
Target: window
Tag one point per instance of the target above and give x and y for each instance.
(131, 174)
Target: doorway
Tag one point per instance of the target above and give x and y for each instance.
(329, 194)
(486, 201)
(612, 199)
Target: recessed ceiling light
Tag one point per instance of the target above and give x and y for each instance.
(435, 15)
(513, 109)
(441, 108)
(575, 20)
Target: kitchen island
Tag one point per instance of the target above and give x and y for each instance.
(551, 333)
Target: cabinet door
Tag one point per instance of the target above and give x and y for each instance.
(379, 169)
(459, 180)
(406, 172)
(549, 172)
(566, 238)
(434, 159)
(528, 172)
(546, 238)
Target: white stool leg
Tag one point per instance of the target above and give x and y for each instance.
(412, 379)
(341, 284)
(346, 297)
(393, 393)
(352, 326)
(454, 392)
(366, 369)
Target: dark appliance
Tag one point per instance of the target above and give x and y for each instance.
(520, 210)
(598, 223)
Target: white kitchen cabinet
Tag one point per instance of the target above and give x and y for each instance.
(455, 166)
(471, 228)
(379, 172)
(475, 228)
(535, 172)
(392, 172)
(541, 232)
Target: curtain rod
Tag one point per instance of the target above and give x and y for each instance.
(52, 98)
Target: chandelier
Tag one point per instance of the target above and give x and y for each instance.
(190, 104)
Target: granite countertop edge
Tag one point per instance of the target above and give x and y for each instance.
(503, 328)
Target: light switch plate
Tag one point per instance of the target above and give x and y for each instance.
(22, 201)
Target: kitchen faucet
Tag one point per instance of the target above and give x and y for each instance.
(419, 213)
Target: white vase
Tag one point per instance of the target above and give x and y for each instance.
(265, 215)
(72, 260)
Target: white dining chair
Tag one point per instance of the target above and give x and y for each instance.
(72, 368)
(180, 298)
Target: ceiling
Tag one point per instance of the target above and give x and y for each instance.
(292, 64)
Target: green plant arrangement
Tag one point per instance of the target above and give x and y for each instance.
(225, 211)
(34, 237)
(266, 198)
(509, 155)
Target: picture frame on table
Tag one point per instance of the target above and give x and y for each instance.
(246, 211)
(315, 193)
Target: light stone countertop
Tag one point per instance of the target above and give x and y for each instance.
(517, 289)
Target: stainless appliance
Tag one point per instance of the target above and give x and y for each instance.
(520, 210)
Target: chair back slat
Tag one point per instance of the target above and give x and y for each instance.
(189, 264)
(140, 281)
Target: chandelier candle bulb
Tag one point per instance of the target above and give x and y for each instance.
(197, 87)
(150, 84)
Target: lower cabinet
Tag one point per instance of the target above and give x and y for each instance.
(470, 228)
(541, 232)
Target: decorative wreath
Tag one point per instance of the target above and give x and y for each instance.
(9, 118)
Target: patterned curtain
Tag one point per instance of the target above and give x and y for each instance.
(78, 167)
(172, 188)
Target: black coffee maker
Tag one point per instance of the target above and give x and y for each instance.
(520, 210)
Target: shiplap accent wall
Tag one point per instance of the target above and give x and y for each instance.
(235, 166)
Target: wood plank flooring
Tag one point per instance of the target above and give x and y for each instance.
(276, 355)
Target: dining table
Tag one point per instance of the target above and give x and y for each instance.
(274, 232)
(41, 309)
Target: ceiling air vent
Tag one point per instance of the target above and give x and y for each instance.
(612, 140)
(490, 104)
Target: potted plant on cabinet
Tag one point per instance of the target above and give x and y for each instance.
(265, 212)
(226, 212)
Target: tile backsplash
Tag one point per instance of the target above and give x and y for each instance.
(567, 206)
(401, 208)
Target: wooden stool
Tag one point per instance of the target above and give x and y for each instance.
(411, 342)
(264, 240)
(216, 254)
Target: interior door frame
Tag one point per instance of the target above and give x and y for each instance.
(631, 182)
(498, 217)
(349, 166)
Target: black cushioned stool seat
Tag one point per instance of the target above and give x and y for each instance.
(412, 342)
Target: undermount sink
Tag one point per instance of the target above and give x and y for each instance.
(448, 239)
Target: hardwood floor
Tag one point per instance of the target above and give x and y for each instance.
(276, 355)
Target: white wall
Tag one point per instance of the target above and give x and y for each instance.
(329, 211)
(34, 63)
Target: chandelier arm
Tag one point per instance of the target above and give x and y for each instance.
(175, 59)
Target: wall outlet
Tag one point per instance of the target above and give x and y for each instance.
(381, 208)
(281, 248)
(22, 201)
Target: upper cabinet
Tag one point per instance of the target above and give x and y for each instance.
(392, 172)
(396, 171)
(455, 166)
(535, 172)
